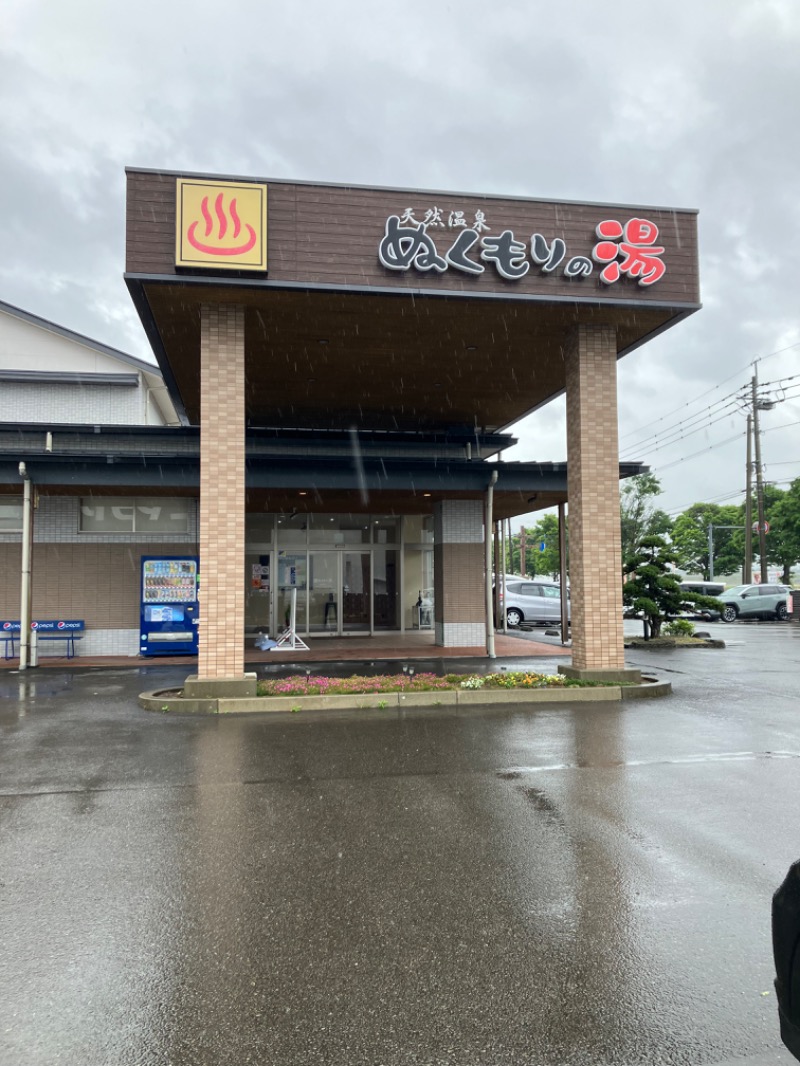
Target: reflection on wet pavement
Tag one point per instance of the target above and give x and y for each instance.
(560, 885)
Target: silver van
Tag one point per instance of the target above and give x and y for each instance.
(533, 601)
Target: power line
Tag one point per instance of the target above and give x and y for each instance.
(675, 438)
(711, 447)
(783, 425)
(714, 388)
(714, 499)
(778, 382)
(730, 396)
(728, 496)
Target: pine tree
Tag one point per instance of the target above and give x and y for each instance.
(653, 590)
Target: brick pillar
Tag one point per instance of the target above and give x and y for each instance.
(458, 574)
(595, 564)
(222, 428)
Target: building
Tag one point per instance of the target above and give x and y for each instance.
(345, 363)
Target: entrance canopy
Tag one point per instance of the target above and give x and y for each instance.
(395, 309)
(420, 325)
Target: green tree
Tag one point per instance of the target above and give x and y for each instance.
(782, 510)
(653, 589)
(783, 539)
(539, 562)
(690, 539)
(638, 515)
(546, 532)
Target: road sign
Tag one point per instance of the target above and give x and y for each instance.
(766, 527)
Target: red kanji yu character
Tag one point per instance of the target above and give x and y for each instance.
(640, 255)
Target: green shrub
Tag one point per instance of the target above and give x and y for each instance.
(680, 627)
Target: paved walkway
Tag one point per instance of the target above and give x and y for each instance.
(339, 649)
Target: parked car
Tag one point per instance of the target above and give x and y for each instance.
(755, 601)
(704, 588)
(533, 601)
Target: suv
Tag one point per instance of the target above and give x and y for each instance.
(533, 601)
(755, 601)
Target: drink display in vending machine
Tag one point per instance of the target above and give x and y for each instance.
(170, 613)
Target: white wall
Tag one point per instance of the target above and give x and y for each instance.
(59, 403)
(27, 346)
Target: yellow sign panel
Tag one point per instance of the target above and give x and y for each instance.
(221, 225)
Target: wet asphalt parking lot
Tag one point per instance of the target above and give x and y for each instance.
(568, 885)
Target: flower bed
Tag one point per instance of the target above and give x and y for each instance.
(306, 685)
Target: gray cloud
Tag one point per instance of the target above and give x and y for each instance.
(666, 103)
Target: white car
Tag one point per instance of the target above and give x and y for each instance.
(533, 601)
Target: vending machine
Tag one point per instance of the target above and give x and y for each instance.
(170, 614)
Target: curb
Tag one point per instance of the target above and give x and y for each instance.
(169, 702)
(639, 643)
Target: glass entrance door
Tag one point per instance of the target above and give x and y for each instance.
(356, 592)
(334, 590)
(291, 584)
(324, 587)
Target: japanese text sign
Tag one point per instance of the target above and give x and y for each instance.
(621, 249)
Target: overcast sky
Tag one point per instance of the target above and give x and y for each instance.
(670, 102)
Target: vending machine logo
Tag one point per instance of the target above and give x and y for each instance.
(221, 225)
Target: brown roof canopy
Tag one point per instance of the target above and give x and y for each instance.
(334, 338)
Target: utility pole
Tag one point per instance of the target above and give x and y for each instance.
(523, 547)
(747, 572)
(762, 533)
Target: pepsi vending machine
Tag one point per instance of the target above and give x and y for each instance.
(170, 614)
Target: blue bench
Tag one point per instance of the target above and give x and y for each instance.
(50, 629)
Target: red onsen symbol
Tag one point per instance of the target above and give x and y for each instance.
(223, 229)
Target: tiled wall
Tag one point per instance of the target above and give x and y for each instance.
(99, 583)
(461, 634)
(91, 576)
(222, 498)
(22, 401)
(459, 574)
(594, 529)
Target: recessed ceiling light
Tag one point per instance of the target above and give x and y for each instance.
(302, 494)
(426, 494)
(472, 347)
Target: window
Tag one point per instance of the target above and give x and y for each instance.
(338, 529)
(120, 514)
(530, 590)
(418, 529)
(11, 517)
(551, 591)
